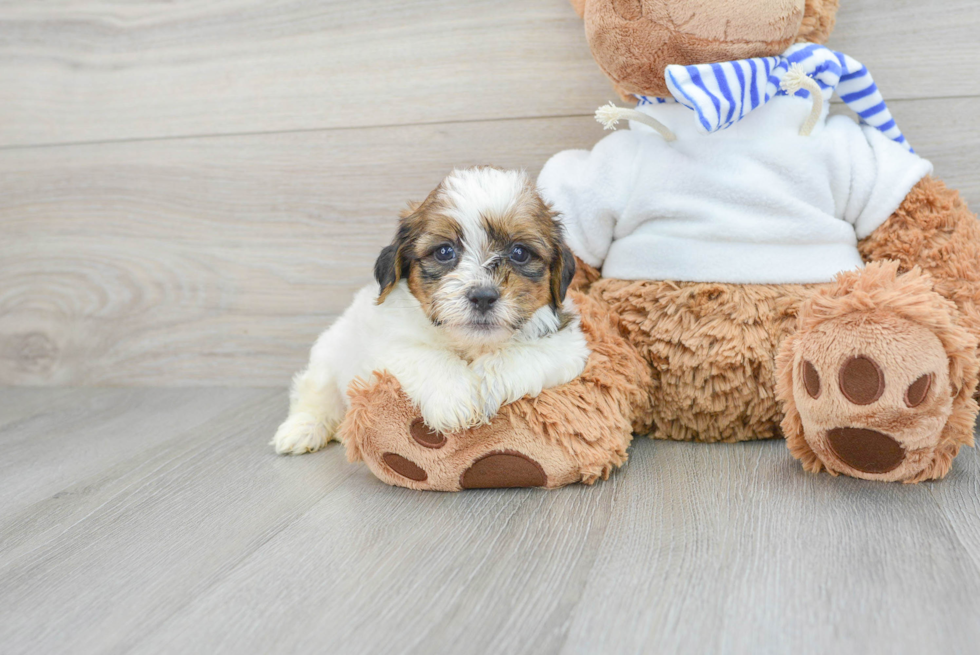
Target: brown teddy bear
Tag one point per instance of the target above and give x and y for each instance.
(781, 271)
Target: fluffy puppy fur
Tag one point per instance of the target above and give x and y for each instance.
(469, 313)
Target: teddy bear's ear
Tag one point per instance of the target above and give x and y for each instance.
(579, 7)
(819, 18)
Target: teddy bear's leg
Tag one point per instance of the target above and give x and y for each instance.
(877, 382)
(549, 442)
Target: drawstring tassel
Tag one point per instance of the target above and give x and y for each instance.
(610, 114)
(796, 79)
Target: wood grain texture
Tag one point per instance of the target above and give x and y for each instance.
(208, 542)
(80, 70)
(90, 430)
(76, 70)
(217, 260)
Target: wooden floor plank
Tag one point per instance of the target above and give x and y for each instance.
(20, 403)
(959, 500)
(217, 261)
(208, 542)
(102, 564)
(78, 70)
(372, 569)
(734, 549)
(70, 438)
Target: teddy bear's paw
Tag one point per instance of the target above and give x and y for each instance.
(424, 458)
(868, 419)
(302, 432)
(874, 399)
(877, 383)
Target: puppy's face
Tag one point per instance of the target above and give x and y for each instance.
(482, 254)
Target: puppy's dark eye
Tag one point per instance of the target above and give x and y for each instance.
(519, 254)
(445, 253)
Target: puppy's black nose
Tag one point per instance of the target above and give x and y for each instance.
(483, 298)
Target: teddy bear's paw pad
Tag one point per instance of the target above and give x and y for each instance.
(864, 450)
(861, 380)
(405, 467)
(426, 436)
(504, 469)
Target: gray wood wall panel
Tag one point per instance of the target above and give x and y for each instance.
(78, 70)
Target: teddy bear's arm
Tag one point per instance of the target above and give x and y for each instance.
(585, 276)
(935, 230)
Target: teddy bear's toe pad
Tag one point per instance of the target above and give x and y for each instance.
(426, 436)
(861, 380)
(503, 469)
(405, 467)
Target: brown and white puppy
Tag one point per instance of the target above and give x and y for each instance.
(469, 313)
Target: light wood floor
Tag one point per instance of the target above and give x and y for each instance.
(190, 191)
(159, 521)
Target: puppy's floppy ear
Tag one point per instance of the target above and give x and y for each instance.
(413, 206)
(392, 263)
(562, 272)
(386, 270)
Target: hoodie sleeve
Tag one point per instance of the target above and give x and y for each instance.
(589, 190)
(882, 174)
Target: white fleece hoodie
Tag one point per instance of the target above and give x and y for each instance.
(752, 204)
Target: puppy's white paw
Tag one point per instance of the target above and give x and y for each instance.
(491, 398)
(494, 391)
(302, 433)
(453, 408)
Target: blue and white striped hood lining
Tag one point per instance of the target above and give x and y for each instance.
(722, 94)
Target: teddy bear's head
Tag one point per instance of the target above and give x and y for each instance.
(634, 41)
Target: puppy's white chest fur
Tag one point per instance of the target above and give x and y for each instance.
(455, 385)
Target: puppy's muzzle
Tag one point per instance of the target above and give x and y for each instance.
(483, 298)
